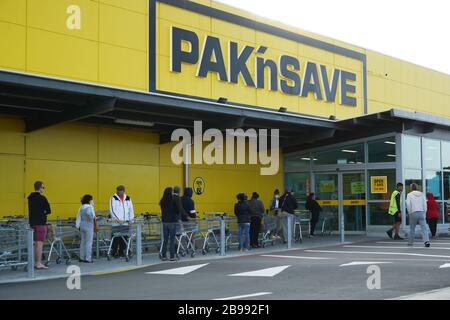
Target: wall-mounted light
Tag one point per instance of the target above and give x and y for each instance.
(282, 109)
(390, 142)
(222, 100)
(349, 151)
(332, 117)
(134, 122)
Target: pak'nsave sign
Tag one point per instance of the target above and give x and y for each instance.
(286, 74)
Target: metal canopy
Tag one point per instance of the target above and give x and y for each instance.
(44, 102)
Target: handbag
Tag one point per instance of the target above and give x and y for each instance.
(95, 225)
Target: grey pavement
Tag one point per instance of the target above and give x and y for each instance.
(318, 270)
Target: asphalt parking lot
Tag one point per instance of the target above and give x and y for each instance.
(383, 269)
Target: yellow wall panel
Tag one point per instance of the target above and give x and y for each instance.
(123, 28)
(393, 69)
(170, 177)
(65, 182)
(128, 147)
(13, 11)
(12, 186)
(55, 54)
(11, 136)
(134, 5)
(123, 67)
(51, 15)
(376, 90)
(141, 182)
(184, 17)
(231, 30)
(70, 142)
(12, 46)
(64, 210)
(375, 63)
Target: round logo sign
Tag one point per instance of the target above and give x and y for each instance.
(199, 186)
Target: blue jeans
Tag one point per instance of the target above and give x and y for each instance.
(169, 232)
(244, 231)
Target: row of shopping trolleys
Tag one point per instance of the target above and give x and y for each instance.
(63, 238)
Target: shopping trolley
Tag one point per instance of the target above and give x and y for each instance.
(209, 230)
(268, 230)
(302, 217)
(13, 244)
(57, 232)
(127, 233)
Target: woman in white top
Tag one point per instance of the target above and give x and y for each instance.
(86, 224)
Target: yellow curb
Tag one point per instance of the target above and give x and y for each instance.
(118, 271)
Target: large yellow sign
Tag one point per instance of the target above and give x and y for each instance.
(203, 52)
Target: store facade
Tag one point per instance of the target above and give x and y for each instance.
(115, 78)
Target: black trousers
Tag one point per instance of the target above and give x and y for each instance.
(433, 225)
(314, 220)
(119, 245)
(255, 227)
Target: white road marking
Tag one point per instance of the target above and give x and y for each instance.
(444, 266)
(380, 253)
(269, 272)
(440, 294)
(433, 242)
(405, 247)
(296, 257)
(179, 271)
(362, 263)
(246, 296)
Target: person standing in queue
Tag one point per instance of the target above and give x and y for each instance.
(86, 224)
(188, 204)
(38, 210)
(122, 212)
(257, 213)
(432, 213)
(395, 210)
(243, 213)
(274, 206)
(314, 207)
(169, 217)
(288, 206)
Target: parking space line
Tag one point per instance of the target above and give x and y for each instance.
(362, 263)
(296, 257)
(388, 247)
(179, 271)
(380, 253)
(245, 296)
(269, 272)
(433, 242)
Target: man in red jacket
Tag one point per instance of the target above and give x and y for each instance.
(432, 213)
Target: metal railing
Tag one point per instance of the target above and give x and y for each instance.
(216, 233)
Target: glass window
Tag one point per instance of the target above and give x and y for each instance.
(378, 214)
(432, 154)
(300, 182)
(388, 176)
(412, 152)
(298, 161)
(446, 212)
(446, 155)
(447, 186)
(382, 150)
(413, 176)
(433, 182)
(345, 155)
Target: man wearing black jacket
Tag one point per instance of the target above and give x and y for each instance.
(38, 209)
(288, 206)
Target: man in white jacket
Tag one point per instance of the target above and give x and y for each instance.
(122, 212)
(416, 204)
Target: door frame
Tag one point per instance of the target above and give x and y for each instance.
(341, 216)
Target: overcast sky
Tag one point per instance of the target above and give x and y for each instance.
(417, 31)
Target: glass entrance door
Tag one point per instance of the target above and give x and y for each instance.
(327, 194)
(354, 201)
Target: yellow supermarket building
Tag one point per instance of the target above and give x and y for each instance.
(91, 90)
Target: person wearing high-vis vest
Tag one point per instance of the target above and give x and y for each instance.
(122, 213)
(395, 210)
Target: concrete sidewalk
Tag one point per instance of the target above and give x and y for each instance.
(103, 266)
